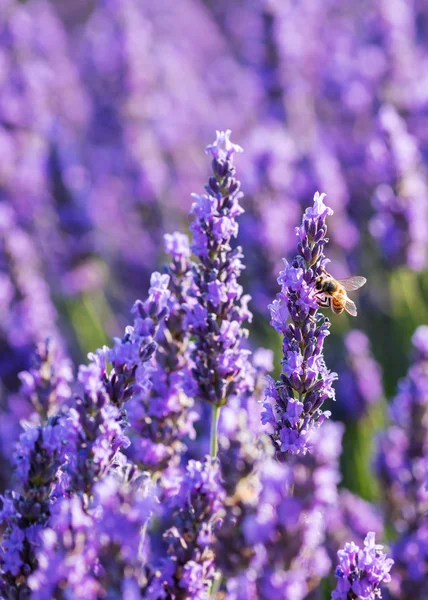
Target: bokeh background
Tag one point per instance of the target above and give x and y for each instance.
(105, 108)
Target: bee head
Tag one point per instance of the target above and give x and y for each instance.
(318, 283)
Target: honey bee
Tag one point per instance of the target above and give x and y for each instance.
(332, 293)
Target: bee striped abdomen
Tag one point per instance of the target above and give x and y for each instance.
(338, 304)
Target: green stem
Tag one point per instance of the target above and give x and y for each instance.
(215, 585)
(214, 433)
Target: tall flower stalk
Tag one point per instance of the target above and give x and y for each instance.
(37, 460)
(187, 568)
(293, 404)
(217, 306)
(47, 383)
(161, 419)
(401, 466)
(360, 381)
(95, 550)
(98, 414)
(77, 447)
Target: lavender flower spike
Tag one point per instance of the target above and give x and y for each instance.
(217, 307)
(401, 465)
(361, 572)
(162, 418)
(188, 570)
(293, 404)
(47, 384)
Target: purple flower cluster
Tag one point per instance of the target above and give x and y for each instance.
(217, 307)
(361, 571)
(130, 355)
(194, 511)
(349, 518)
(27, 314)
(38, 461)
(401, 465)
(287, 528)
(97, 427)
(360, 381)
(96, 549)
(47, 384)
(242, 448)
(79, 445)
(400, 219)
(161, 419)
(287, 538)
(44, 388)
(106, 501)
(98, 415)
(293, 404)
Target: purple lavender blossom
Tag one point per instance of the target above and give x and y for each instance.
(361, 572)
(293, 404)
(242, 449)
(217, 306)
(38, 460)
(43, 113)
(349, 518)
(360, 382)
(27, 315)
(97, 427)
(163, 418)
(96, 549)
(47, 383)
(401, 468)
(286, 536)
(44, 388)
(401, 216)
(284, 524)
(194, 510)
(85, 440)
(130, 355)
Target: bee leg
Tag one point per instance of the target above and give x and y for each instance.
(324, 302)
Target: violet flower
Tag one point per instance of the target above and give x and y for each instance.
(47, 383)
(349, 518)
(38, 460)
(97, 426)
(361, 572)
(130, 356)
(401, 218)
(44, 388)
(401, 468)
(360, 382)
(293, 404)
(96, 550)
(286, 535)
(27, 314)
(288, 530)
(97, 414)
(84, 440)
(194, 510)
(162, 418)
(217, 307)
(242, 449)
(277, 544)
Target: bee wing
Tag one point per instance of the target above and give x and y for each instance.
(352, 283)
(350, 307)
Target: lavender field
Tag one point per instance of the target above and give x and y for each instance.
(214, 300)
